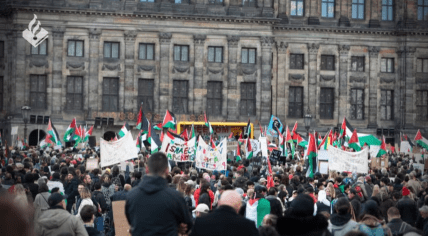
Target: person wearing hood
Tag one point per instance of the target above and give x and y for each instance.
(323, 204)
(41, 201)
(372, 223)
(55, 182)
(57, 219)
(153, 200)
(407, 207)
(341, 221)
(396, 224)
(257, 207)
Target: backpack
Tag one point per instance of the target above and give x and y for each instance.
(378, 231)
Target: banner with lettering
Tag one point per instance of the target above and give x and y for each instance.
(211, 158)
(114, 152)
(348, 161)
(179, 151)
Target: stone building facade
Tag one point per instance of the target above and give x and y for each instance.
(366, 60)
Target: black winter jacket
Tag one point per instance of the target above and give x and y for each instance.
(70, 189)
(408, 210)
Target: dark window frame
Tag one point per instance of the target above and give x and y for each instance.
(357, 4)
(179, 96)
(387, 60)
(294, 58)
(1, 92)
(214, 98)
(422, 11)
(145, 45)
(249, 3)
(355, 104)
(38, 48)
(248, 55)
(423, 70)
(145, 95)
(2, 49)
(215, 54)
(422, 105)
(35, 92)
(147, 1)
(75, 48)
(386, 6)
(181, 53)
(327, 3)
(111, 47)
(326, 105)
(324, 62)
(247, 98)
(110, 94)
(297, 12)
(360, 62)
(294, 103)
(386, 102)
(74, 94)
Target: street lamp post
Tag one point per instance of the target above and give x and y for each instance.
(308, 119)
(25, 110)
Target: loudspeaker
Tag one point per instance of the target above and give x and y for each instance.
(92, 141)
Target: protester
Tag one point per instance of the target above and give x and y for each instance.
(87, 214)
(41, 201)
(201, 210)
(341, 221)
(396, 224)
(372, 222)
(407, 207)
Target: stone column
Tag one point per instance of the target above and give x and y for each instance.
(266, 84)
(343, 81)
(313, 15)
(199, 84)
(409, 87)
(165, 41)
(281, 94)
(267, 8)
(93, 83)
(373, 84)
(56, 85)
(233, 94)
(374, 21)
(130, 92)
(312, 79)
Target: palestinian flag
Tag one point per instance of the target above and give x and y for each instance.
(185, 135)
(46, 142)
(206, 120)
(139, 142)
(238, 153)
(294, 132)
(326, 141)
(139, 123)
(289, 140)
(258, 209)
(88, 133)
(124, 130)
(311, 153)
(54, 134)
(382, 150)
(281, 142)
(154, 147)
(158, 126)
(354, 142)
(249, 129)
(208, 124)
(212, 142)
(230, 135)
(261, 130)
(192, 132)
(78, 136)
(249, 149)
(421, 141)
(169, 120)
(406, 145)
(70, 130)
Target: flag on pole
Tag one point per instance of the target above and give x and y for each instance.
(154, 147)
(238, 153)
(382, 150)
(169, 120)
(140, 119)
(158, 126)
(420, 140)
(124, 130)
(281, 143)
(192, 132)
(70, 130)
(289, 140)
(311, 153)
(88, 133)
(53, 133)
(294, 130)
(230, 135)
(208, 124)
(249, 149)
(354, 142)
(185, 135)
(212, 141)
(261, 130)
(78, 136)
(249, 129)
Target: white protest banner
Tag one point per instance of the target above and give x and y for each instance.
(255, 145)
(263, 146)
(179, 151)
(348, 161)
(323, 155)
(323, 167)
(114, 152)
(14, 130)
(91, 164)
(211, 158)
(405, 147)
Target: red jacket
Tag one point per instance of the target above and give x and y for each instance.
(196, 196)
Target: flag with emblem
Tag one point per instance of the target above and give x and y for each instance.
(238, 153)
(249, 149)
(382, 150)
(124, 130)
(420, 140)
(169, 120)
(70, 130)
(353, 142)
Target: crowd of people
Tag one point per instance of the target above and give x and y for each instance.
(52, 193)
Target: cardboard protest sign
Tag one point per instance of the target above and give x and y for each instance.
(179, 151)
(121, 225)
(323, 167)
(263, 146)
(114, 152)
(91, 164)
(379, 162)
(348, 161)
(255, 145)
(211, 158)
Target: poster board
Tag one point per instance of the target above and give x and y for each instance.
(323, 155)
(379, 162)
(420, 167)
(114, 152)
(323, 167)
(348, 161)
(263, 146)
(91, 164)
(179, 151)
(121, 225)
(14, 130)
(211, 158)
(405, 147)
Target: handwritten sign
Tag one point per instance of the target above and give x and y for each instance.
(348, 161)
(263, 146)
(116, 151)
(14, 130)
(121, 225)
(91, 164)
(211, 158)
(179, 151)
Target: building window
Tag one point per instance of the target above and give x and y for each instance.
(146, 51)
(111, 50)
(219, 2)
(357, 64)
(295, 102)
(327, 8)
(422, 104)
(215, 54)
(147, 0)
(327, 103)
(74, 93)
(1, 49)
(214, 97)
(181, 53)
(248, 55)
(181, 1)
(180, 96)
(327, 62)
(75, 48)
(248, 3)
(422, 65)
(387, 12)
(422, 10)
(358, 9)
(387, 104)
(357, 104)
(41, 49)
(248, 99)
(146, 93)
(38, 91)
(387, 65)
(297, 8)
(1, 93)
(296, 61)
(110, 94)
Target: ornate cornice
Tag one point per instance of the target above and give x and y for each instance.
(94, 33)
(374, 51)
(58, 32)
(233, 40)
(75, 65)
(130, 35)
(199, 39)
(281, 46)
(165, 38)
(267, 41)
(417, 32)
(313, 48)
